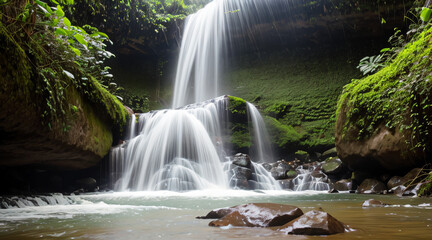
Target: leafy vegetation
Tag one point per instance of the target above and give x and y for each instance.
(61, 57)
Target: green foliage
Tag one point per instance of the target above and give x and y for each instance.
(398, 96)
(63, 57)
(426, 187)
(425, 14)
(138, 24)
(237, 105)
(370, 64)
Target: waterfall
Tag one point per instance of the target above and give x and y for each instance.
(262, 150)
(207, 38)
(182, 149)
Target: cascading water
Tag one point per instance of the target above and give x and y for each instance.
(262, 150)
(182, 149)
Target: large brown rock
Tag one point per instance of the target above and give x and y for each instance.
(258, 215)
(314, 223)
(371, 186)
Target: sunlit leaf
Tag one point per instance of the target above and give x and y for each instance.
(425, 14)
(61, 31)
(81, 39)
(59, 11)
(67, 22)
(77, 52)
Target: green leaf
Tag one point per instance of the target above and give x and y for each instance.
(67, 22)
(383, 21)
(425, 14)
(59, 11)
(81, 39)
(77, 52)
(61, 31)
(385, 50)
(55, 2)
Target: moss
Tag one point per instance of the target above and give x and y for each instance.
(301, 152)
(299, 90)
(398, 96)
(237, 105)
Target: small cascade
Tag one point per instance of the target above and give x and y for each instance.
(176, 150)
(306, 180)
(262, 150)
(34, 201)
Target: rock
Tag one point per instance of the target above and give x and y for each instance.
(314, 222)
(286, 184)
(394, 181)
(344, 185)
(302, 156)
(242, 160)
(267, 166)
(280, 172)
(373, 203)
(241, 172)
(332, 152)
(411, 176)
(371, 186)
(88, 184)
(259, 215)
(218, 213)
(332, 166)
(291, 174)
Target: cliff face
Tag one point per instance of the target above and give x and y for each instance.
(384, 120)
(76, 135)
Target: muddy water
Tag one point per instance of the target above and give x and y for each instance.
(169, 215)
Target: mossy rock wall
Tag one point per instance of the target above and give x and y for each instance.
(78, 138)
(384, 121)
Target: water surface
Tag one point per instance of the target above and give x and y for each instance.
(171, 215)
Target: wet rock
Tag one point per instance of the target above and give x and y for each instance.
(242, 160)
(88, 184)
(280, 171)
(302, 156)
(371, 186)
(332, 166)
(241, 172)
(332, 152)
(343, 185)
(394, 181)
(291, 174)
(267, 166)
(373, 203)
(411, 176)
(218, 213)
(286, 184)
(259, 215)
(314, 222)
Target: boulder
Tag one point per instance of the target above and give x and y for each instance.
(259, 215)
(218, 213)
(242, 160)
(371, 186)
(291, 174)
(332, 152)
(280, 171)
(332, 166)
(302, 156)
(314, 222)
(286, 184)
(411, 176)
(343, 185)
(88, 184)
(394, 181)
(373, 203)
(241, 172)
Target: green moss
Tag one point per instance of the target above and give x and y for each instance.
(398, 96)
(237, 105)
(301, 152)
(299, 90)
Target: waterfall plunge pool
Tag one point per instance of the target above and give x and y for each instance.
(171, 215)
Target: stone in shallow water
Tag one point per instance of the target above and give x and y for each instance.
(371, 186)
(314, 222)
(373, 203)
(258, 215)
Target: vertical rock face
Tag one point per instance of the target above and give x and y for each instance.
(76, 136)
